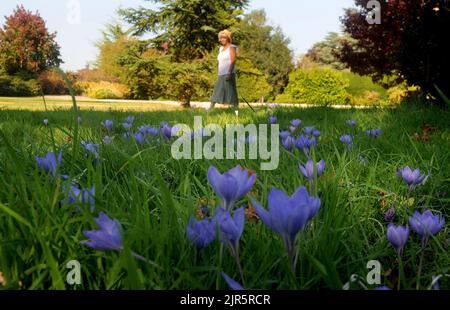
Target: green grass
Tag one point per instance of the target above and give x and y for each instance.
(153, 196)
(36, 104)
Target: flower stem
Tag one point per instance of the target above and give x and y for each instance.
(220, 266)
(400, 271)
(420, 264)
(142, 258)
(241, 272)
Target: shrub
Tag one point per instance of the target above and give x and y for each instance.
(318, 85)
(358, 85)
(252, 84)
(53, 83)
(103, 90)
(397, 93)
(369, 97)
(283, 98)
(15, 86)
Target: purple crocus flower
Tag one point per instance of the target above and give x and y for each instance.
(288, 215)
(230, 228)
(232, 185)
(84, 197)
(108, 124)
(288, 143)
(347, 139)
(284, 134)
(389, 215)
(295, 123)
(166, 131)
(273, 120)
(130, 119)
(412, 178)
(127, 126)
(202, 233)
(308, 169)
(149, 130)
(316, 133)
(49, 163)
(91, 147)
(153, 131)
(107, 140)
(373, 133)
(232, 283)
(351, 122)
(45, 122)
(398, 236)
(140, 138)
(107, 238)
(79, 119)
(382, 288)
(88, 197)
(144, 128)
(305, 144)
(426, 224)
(309, 130)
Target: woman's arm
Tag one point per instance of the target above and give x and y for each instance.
(233, 61)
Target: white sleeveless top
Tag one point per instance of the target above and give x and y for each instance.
(224, 59)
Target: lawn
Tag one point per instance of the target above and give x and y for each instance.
(153, 196)
(37, 104)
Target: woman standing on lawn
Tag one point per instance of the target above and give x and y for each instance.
(225, 91)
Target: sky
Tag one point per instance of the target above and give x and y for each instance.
(79, 23)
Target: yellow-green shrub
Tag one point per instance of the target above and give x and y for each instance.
(104, 90)
(318, 85)
(397, 93)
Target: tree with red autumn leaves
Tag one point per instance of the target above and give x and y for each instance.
(409, 43)
(26, 45)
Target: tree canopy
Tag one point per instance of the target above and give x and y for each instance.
(409, 43)
(185, 26)
(26, 45)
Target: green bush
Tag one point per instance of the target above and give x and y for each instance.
(359, 85)
(284, 98)
(252, 84)
(14, 86)
(318, 85)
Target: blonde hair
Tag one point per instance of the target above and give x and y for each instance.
(225, 33)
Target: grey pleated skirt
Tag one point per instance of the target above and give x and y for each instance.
(225, 91)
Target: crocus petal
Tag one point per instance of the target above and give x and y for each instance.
(233, 284)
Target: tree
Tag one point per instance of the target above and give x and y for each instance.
(112, 46)
(409, 43)
(267, 47)
(188, 28)
(327, 52)
(26, 44)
